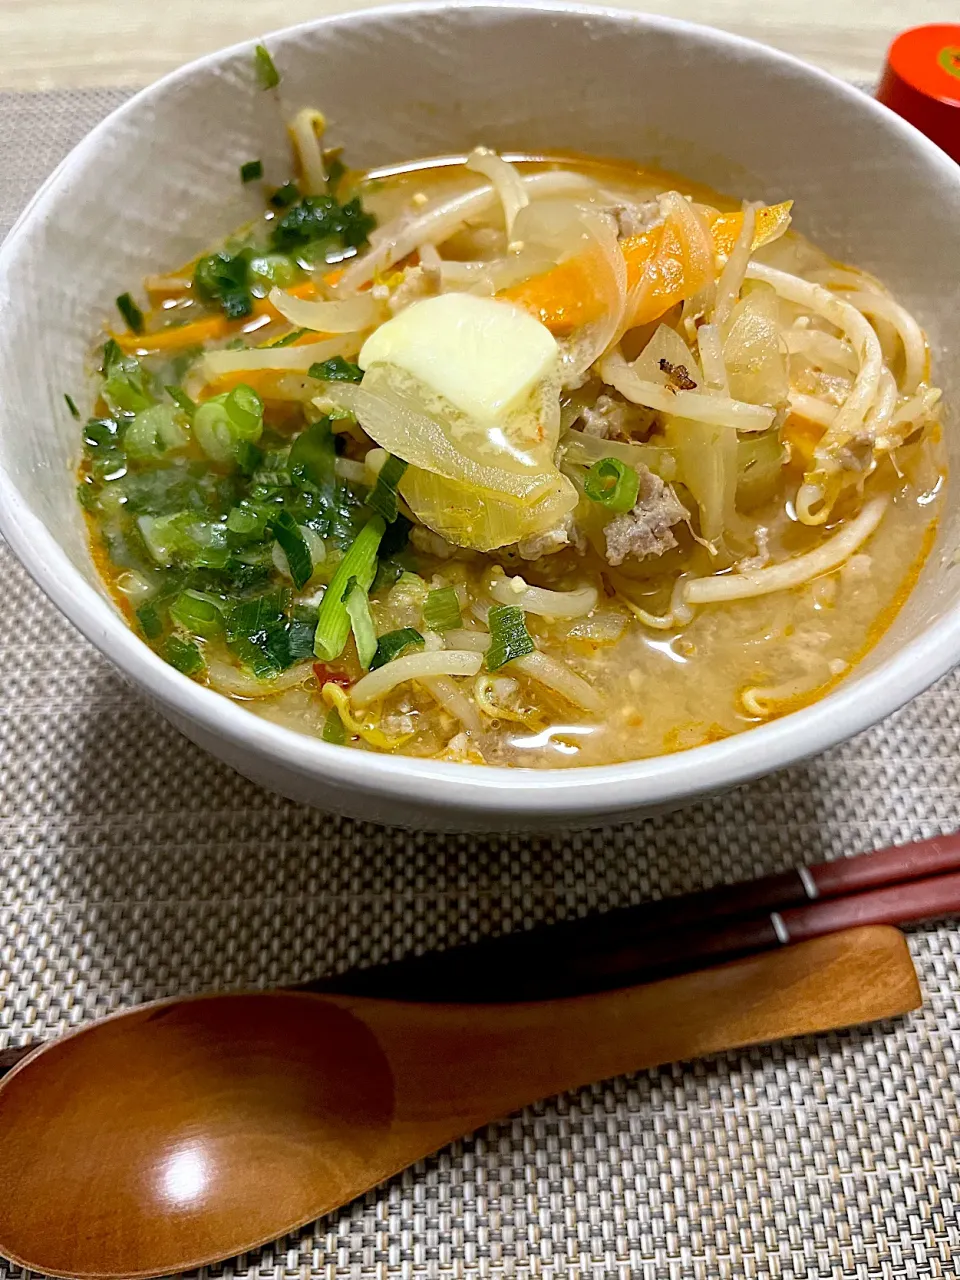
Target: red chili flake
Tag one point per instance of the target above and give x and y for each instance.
(326, 675)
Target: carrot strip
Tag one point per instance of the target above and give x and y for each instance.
(209, 329)
(563, 298)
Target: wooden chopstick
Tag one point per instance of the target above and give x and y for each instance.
(901, 885)
(906, 884)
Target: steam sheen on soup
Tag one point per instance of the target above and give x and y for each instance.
(517, 460)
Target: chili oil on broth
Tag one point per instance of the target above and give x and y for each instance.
(728, 669)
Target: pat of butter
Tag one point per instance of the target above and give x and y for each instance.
(484, 356)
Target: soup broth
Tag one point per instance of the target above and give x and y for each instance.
(599, 466)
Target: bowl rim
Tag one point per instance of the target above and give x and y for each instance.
(592, 790)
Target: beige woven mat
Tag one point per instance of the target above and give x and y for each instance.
(134, 866)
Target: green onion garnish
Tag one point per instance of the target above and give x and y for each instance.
(361, 622)
(613, 484)
(382, 498)
(395, 643)
(333, 730)
(313, 455)
(123, 380)
(288, 338)
(197, 613)
(130, 312)
(509, 637)
(251, 171)
(441, 609)
(294, 546)
(224, 422)
(336, 369)
(182, 401)
(268, 77)
(224, 278)
(184, 655)
(360, 562)
(151, 624)
(285, 196)
(71, 405)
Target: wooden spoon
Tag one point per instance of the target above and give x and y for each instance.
(183, 1132)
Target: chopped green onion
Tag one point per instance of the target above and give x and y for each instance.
(509, 637)
(197, 613)
(257, 633)
(441, 610)
(294, 546)
(224, 422)
(274, 269)
(152, 431)
(123, 380)
(288, 338)
(251, 171)
(151, 624)
(182, 401)
(130, 312)
(313, 455)
(268, 77)
(333, 730)
(395, 643)
(224, 278)
(248, 520)
(248, 457)
(613, 484)
(285, 196)
(360, 562)
(184, 655)
(361, 622)
(319, 218)
(383, 496)
(336, 369)
(71, 405)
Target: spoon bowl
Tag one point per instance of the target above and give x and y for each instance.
(184, 1132)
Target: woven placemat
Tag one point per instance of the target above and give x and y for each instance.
(133, 866)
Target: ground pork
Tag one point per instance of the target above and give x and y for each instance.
(646, 530)
(632, 219)
(418, 282)
(545, 544)
(611, 419)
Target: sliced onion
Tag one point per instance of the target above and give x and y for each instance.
(351, 315)
(711, 359)
(580, 450)
(548, 604)
(560, 230)
(296, 359)
(415, 666)
(506, 181)
(399, 423)
(666, 344)
(695, 405)
(401, 237)
(734, 272)
(484, 519)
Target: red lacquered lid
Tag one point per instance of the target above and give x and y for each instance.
(921, 82)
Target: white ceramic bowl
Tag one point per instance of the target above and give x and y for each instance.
(157, 182)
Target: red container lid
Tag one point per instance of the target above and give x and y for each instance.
(921, 82)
